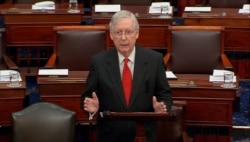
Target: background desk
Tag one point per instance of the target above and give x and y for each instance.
(237, 34)
(141, 12)
(65, 91)
(29, 34)
(207, 103)
(209, 107)
(11, 100)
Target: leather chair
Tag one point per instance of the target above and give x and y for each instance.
(5, 61)
(75, 45)
(196, 50)
(43, 122)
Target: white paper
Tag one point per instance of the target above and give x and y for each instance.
(246, 6)
(35, 7)
(44, 5)
(107, 7)
(170, 75)
(197, 9)
(53, 72)
(244, 11)
(218, 75)
(160, 4)
(220, 72)
(219, 78)
(154, 10)
(157, 8)
(5, 75)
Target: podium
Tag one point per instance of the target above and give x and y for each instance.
(170, 127)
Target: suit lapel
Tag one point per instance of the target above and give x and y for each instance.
(115, 76)
(140, 70)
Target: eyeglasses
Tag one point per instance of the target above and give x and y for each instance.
(120, 33)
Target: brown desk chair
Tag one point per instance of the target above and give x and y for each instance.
(5, 61)
(43, 122)
(75, 45)
(196, 50)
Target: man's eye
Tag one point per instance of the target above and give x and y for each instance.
(129, 32)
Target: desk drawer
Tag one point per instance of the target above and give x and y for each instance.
(211, 112)
(7, 107)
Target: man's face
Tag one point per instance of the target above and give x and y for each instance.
(124, 36)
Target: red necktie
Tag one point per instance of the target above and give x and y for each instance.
(126, 80)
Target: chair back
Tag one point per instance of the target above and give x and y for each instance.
(75, 45)
(43, 122)
(195, 49)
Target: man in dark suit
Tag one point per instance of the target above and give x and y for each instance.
(104, 87)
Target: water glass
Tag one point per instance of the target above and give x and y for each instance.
(165, 9)
(73, 6)
(228, 80)
(14, 79)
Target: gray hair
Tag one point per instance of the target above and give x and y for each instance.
(121, 15)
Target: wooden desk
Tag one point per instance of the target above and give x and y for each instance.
(26, 29)
(208, 104)
(216, 18)
(204, 96)
(65, 91)
(141, 12)
(11, 100)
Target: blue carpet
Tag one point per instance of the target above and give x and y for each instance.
(32, 90)
(242, 118)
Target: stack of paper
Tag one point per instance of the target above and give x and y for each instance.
(48, 5)
(245, 9)
(5, 75)
(107, 7)
(170, 75)
(160, 8)
(56, 72)
(218, 76)
(197, 9)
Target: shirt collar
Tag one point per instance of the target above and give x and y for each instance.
(131, 57)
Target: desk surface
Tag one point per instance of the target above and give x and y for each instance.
(219, 17)
(73, 77)
(199, 80)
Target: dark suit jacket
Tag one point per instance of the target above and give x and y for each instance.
(149, 80)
